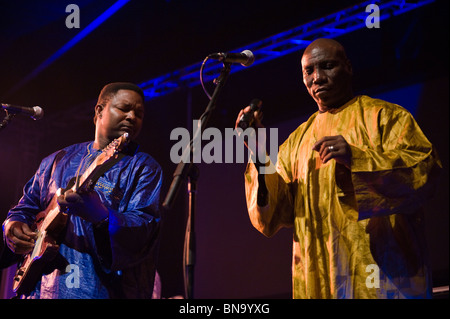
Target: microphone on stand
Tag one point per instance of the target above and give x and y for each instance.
(35, 112)
(245, 58)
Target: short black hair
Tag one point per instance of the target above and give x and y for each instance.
(111, 89)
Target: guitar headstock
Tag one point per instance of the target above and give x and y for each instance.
(116, 146)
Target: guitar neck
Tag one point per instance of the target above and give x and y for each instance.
(100, 159)
(85, 182)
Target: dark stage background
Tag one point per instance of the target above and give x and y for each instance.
(404, 61)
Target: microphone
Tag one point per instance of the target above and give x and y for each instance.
(246, 119)
(245, 58)
(35, 112)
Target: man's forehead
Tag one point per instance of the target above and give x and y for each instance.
(127, 96)
(320, 54)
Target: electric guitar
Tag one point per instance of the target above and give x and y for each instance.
(51, 222)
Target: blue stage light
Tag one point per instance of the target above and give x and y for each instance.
(81, 35)
(294, 40)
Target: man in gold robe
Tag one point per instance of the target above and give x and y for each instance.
(351, 181)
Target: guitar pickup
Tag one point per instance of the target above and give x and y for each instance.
(19, 274)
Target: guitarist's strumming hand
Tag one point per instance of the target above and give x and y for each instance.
(19, 237)
(86, 205)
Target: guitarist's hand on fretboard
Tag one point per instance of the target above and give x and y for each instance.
(86, 205)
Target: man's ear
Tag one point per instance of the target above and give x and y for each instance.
(98, 110)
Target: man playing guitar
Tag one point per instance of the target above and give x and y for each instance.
(102, 239)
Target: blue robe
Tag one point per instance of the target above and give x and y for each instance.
(113, 261)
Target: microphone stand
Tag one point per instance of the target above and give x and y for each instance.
(8, 117)
(191, 172)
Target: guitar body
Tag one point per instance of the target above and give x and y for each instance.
(51, 223)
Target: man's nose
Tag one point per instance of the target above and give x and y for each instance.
(131, 116)
(318, 76)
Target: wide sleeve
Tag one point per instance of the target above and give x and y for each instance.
(133, 228)
(401, 173)
(278, 208)
(37, 192)
(28, 206)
